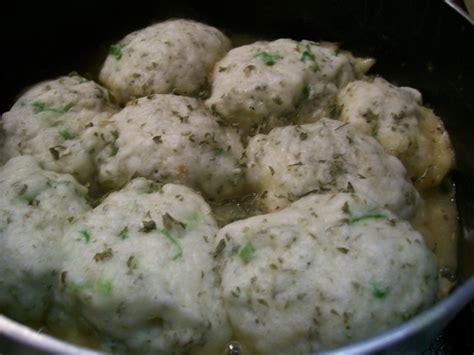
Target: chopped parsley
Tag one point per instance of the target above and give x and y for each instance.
(170, 223)
(220, 247)
(173, 241)
(65, 134)
(380, 292)
(218, 151)
(307, 55)
(305, 93)
(193, 220)
(104, 287)
(269, 58)
(116, 50)
(114, 150)
(247, 253)
(148, 226)
(85, 235)
(54, 152)
(123, 234)
(370, 215)
(40, 106)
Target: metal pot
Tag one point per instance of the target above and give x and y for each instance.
(423, 44)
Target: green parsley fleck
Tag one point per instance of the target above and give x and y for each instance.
(380, 292)
(247, 253)
(370, 215)
(39, 106)
(116, 50)
(104, 287)
(307, 55)
(305, 93)
(173, 241)
(56, 123)
(123, 234)
(114, 151)
(193, 220)
(65, 134)
(269, 58)
(85, 235)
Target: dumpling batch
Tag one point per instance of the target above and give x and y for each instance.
(268, 83)
(326, 271)
(171, 138)
(395, 117)
(36, 208)
(140, 269)
(174, 56)
(57, 122)
(327, 156)
(271, 197)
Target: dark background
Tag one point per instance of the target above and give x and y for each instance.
(423, 43)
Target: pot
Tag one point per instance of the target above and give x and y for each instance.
(423, 44)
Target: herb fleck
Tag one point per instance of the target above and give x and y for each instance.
(309, 56)
(123, 234)
(220, 247)
(104, 287)
(65, 134)
(305, 93)
(148, 226)
(169, 222)
(379, 292)
(85, 235)
(104, 256)
(116, 50)
(247, 253)
(40, 106)
(173, 241)
(370, 215)
(269, 58)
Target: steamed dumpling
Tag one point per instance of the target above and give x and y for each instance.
(174, 56)
(326, 271)
(396, 118)
(140, 269)
(36, 208)
(175, 139)
(57, 122)
(268, 83)
(327, 156)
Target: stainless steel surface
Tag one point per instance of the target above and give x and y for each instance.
(460, 10)
(41, 343)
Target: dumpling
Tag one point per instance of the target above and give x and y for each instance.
(170, 138)
(396, 118)
(57, 122)
(174, 56)
(326, 156)
(328, 270)
(140, 269)
(267, 83)
(36, 208)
